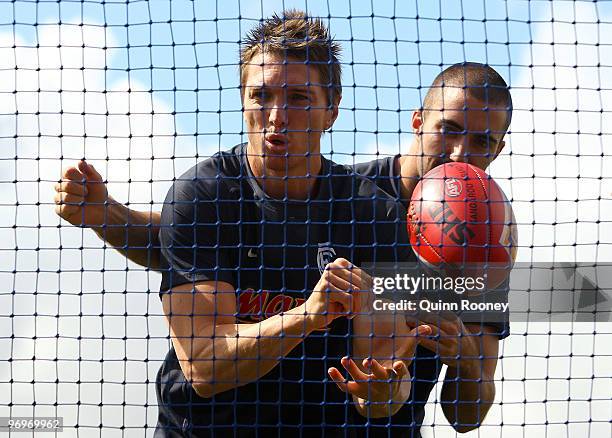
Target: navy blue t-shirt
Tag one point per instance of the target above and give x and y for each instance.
(218, 225)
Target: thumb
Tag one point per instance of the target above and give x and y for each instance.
(89, 171)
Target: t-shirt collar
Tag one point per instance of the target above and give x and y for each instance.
(323, 180)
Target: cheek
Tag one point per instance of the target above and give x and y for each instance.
(252, 117)
(480, 162)
(432, 144)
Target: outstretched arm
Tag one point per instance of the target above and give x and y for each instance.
(383, 347)
(471, 352)
(82, 199)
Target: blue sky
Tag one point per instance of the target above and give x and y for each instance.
(409, 52)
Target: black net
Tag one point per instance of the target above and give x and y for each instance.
(147, 91)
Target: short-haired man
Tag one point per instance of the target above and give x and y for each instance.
(464, 117)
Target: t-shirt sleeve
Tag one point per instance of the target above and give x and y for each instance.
(383, 235)
(501, 326)
(392, 239)
(382, 173)
(192, 239)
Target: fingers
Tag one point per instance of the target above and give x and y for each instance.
(352, 368)
(73, 174)
(338, 296)
(332, 274)
(338, 378)
(90, 171)
(358, 386)
(376, 368)
(373, 386)
(352, 274)
(434, 345)
(400, 368)
(344, 274)
(67, 204)
(72, 187)
(339, 277)
(82, 173)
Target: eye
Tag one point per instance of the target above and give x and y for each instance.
(258, 94)
(484, 142)
(450, 131)
(299, 97)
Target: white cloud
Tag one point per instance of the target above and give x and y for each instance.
(560, 130)
(38, 107)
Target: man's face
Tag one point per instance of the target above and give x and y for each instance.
(284, 115)
(458, 128)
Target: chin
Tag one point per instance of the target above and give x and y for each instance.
(278, 164)
(426, 167)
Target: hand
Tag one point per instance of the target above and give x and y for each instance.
(339, 292)
(81, 196)
(383, 382)
(452, 341)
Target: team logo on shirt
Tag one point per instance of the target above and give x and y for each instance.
(255, 306)
(326, 255)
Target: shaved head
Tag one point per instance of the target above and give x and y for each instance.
(479, 81)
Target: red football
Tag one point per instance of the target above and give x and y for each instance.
(460, 220)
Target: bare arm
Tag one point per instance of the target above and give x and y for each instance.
(217, 354)
(383, 346)
(469, 387)
(133, 233)
(82, 199)
(470, 352)
(391, 345)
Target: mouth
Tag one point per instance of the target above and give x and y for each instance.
(277, 144)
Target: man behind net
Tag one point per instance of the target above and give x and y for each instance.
(238, 230)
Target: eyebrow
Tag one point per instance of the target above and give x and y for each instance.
(453, 124)
(481, 136)
(298, 88)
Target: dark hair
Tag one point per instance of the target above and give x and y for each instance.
(296, 35)
(479, 80)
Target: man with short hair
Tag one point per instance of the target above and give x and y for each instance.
(264, 210)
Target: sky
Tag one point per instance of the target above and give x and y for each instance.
(157, 82)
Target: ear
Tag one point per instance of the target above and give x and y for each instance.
(332, 113)
(500, 147)
(417, 121)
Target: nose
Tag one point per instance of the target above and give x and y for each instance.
(458, 153)
(277, 113)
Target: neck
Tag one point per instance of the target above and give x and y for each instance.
(295, 182)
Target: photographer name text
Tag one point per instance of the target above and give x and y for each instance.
(436, 306)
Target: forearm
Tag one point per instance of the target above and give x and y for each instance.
(232, 355)
(132, 233)
(467, 397)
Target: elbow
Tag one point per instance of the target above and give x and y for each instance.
(202, 385)
(204, 390)
(207, 386)
(463, 428)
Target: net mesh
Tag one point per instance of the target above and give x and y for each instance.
(145, 90)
